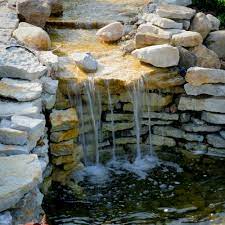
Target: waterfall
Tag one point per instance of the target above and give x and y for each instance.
(148, 101)
(112, 123)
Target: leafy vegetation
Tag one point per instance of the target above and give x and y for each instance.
(215, 6)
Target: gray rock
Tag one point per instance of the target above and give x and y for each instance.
(187, 58)
(216, 152)
(20, 90)
(162, 141)
(213, 104)
(17, 62)
(35, 12)
(85, 61)
(201, 24)
(48, 100)
(173, 2)
(8, 150)
(208, 89)
(197, 147)
(215, 140)
(222, 133)
(175, 12)
(216, 42)
(191, 127)
(19, 175)
(13, 137)
(214, 118)
(49, 85)
(215, 23)
(169, 131)
(185, 117)
(158, 55)
(5, 218)
(161, 116)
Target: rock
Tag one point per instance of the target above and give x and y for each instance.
(8, 20)
(186, 23)
(64, 135)
(206, 57)
(196, 147)
(214, 118)
(219, 152)
(175, 12)
(35, 12)
(201, 24)
(187, 39)
(10, 136)
(13, 150)
(49, 85)
(110, 33)
(85, 61)
(56, 7)
(48, 100)
(162, 141)
(5, 218)
(63, 119)
(32, 37)
(18, 62)
(161, 116)
(213, 104)
(191, 127)
(169, 131)
(148, 39)
(173, 2)
(208, 89)
(215, 23)
(20, 90)
(34, 127)
(222, 133)
(185, 117)
(215, 140)
(19, 175)
(9, 109)
(198, 76)
(216, 42)
(119, 117)
(187, 58)
(117, 126)
(158, 55)
(62, 148)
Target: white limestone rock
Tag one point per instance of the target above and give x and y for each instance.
(18, 62)
(18, 175)
(20, 90)
(158, 55)
(48, 100)
(50, 86)
(8, 150)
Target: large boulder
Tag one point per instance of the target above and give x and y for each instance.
(215, 23)
(206, 57)
(158, 55)
(173, 2)
(187, 39)
(111, 33)
(216, 42)
(35, 12)
(198, 76)
(175, 12)
(32, 37)
(201, 24)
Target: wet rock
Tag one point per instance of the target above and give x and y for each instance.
(110, 33)
(216, 42)
(62, 148)
(119, 117)
(198, 76)
(162, 141)
(20, 90)
(187, 58)
(185, 117)
(117, 126)
(208, 89)
(18, 62)
(215, 140)
(85, 61)
(64, 135)
(161, 116)
(206, 57)
(158, 55)
(5, 218)
(32, 37)
(214, 118)
(201, 24)
(213, 104)
(222, 133)
(192, 127)
(148, 39)
(199, 148)
(35, 12)
(175, 12)
(169, 131)
(63, 119)
(173, 2)
(187, 39)
(19, 174)
(49, 85)
(215, 23)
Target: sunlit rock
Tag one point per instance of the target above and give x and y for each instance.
(64, 135)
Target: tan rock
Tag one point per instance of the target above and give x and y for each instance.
(64, 135)
(62, 148)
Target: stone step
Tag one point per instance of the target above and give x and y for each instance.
(19, 175)
(20, 90)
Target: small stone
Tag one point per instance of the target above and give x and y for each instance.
(85, 61)
(117, 126)
(206, 57)
(216, 42)
(49, 85)
(198, 76)
(158, 55)
(187, 58)
(215, 23)
(161, 116)
(64, 135)
(201, 24)
(214, 118)
(32, 37)
(110, 33)
(215, 140)
(175, 12)
(48, 100)
(187, 39)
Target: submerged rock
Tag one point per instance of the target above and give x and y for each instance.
(112, 32)
(158, 55)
